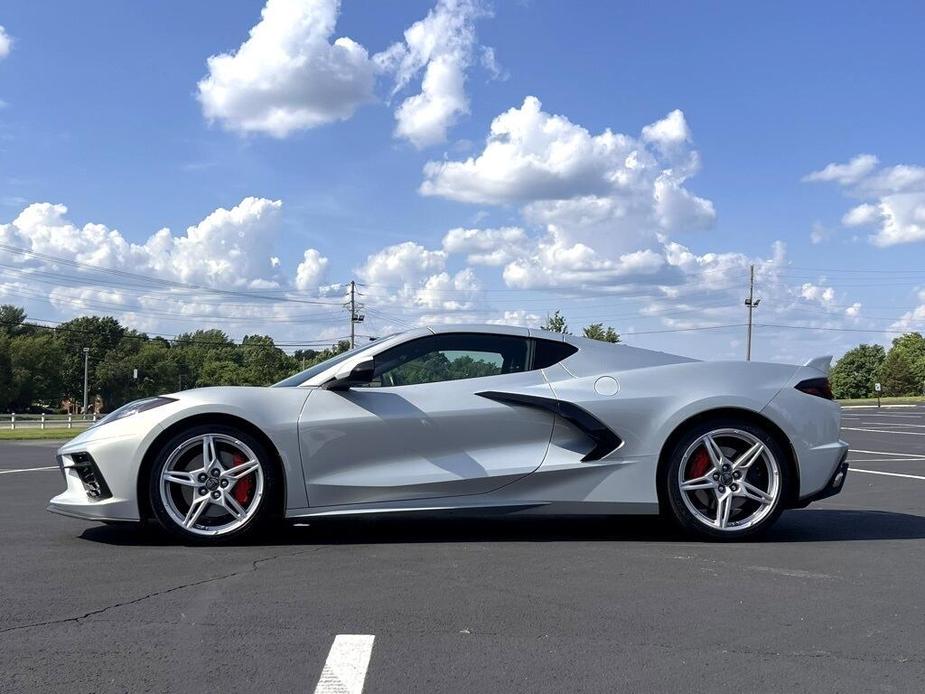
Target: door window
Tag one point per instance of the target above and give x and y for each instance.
(450, 357)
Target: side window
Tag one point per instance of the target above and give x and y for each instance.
(549, 352)
(450, 357)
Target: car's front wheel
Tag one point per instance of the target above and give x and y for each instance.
(212, 483)
(726, 480)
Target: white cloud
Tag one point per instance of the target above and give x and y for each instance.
(288, 75)
(817, 293)
(227, 249)
(603, 200)
(404, 262)
(310, 272)
(6, 43)
(845, 174)
(820, 233)
(895, 196)
(568, 177)
(862, 215)
(486, 246)
(671, 131)
(441, 46)
(853, 311)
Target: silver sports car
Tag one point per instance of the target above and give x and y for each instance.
(483, 418)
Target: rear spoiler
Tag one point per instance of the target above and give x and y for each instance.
(820, 363)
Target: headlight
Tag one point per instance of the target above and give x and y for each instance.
(135, 407)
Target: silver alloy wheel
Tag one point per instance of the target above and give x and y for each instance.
(729, 480)
(198, 482)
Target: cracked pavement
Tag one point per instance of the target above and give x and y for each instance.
(832, 601)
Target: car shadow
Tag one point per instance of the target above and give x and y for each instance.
(809, 525)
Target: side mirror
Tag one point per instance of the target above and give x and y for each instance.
(360, 374)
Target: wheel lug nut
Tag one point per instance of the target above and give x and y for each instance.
(202, 490)
(721, 489)
(725, 467)
(716, 476)
(736, 474)
(216, 494)
(734, 487)
(224, 483)
(215, 472)
(202, 477)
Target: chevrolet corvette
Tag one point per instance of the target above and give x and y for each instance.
(486, 418)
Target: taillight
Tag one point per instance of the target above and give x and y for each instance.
(816, 386)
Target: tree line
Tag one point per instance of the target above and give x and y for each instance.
(899, 370)
(40, 367)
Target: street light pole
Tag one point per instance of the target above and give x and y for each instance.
(86, 360)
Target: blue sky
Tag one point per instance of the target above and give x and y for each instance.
(111, 110)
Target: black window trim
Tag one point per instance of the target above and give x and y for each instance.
(530, 360)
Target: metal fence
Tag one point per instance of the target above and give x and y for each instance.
(46, 421)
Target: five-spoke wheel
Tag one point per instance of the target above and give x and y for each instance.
(210, 482)
(726, 480)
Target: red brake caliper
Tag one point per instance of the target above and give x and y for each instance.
(699, 465)
(244, 488)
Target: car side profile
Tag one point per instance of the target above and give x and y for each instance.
(485, 418)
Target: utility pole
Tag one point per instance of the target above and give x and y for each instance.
(86, 361)
(354, 316)
(353, 312)
(752, 304)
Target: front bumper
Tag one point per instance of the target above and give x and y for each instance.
(101, 478)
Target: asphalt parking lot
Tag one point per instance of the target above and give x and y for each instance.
(832, 599)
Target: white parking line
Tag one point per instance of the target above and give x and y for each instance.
(345, 669)
(907, 455)
(885, 460)
(28, 469)
(888, 474)
(886, 431)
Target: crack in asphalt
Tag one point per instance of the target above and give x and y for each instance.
(192, 584)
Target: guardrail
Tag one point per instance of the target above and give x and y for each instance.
(46, 421)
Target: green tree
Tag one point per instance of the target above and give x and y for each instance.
(597, 331)
(854, 375)
(7, 389)
(156, 366)
(100, 334)
(37, 362)
(197, 350)
(903, 370)
(556, 323)
(263, 363)
(12, 319)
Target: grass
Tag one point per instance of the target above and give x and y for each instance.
(35, 434)
(910, 400)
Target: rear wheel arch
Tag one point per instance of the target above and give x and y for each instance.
(145, 511)
(791, 493)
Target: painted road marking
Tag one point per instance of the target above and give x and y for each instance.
(28, 469)
(888, 474)
(908, 455)
(886, 431)
(345, 669)
(885, 460)
(867, 407)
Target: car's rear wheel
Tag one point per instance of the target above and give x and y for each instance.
(212, 483)
(726, 480)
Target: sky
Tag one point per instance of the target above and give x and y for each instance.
(236, 164)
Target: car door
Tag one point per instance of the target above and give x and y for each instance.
(421, 430)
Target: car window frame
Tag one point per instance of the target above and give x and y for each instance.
(529, 357)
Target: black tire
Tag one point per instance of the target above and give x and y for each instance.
(695, 525)
(268, 502)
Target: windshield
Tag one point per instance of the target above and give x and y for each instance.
(312, 371)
